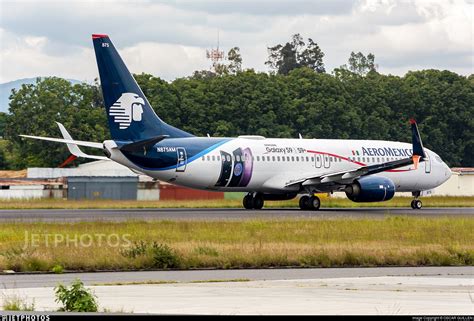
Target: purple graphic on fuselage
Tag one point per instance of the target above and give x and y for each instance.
(241, 165)
(248, 167)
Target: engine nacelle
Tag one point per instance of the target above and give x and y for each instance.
(371, 189)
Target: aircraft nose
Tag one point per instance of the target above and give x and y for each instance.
(447, 172)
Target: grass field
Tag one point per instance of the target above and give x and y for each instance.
(393, 241)
(434, 201)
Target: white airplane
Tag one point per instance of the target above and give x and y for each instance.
(266, 168)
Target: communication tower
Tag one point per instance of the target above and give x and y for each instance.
(215, 55)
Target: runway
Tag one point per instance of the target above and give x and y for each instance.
(83, 215)
(21, 280)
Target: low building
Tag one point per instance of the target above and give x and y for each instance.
(93, 180)
(461, 183)
(22, 188)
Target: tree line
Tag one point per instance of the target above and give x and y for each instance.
(354, 101)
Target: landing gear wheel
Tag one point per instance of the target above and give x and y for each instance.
(304, 202)
(314, 203)
(257, 202)
(248, 201)
(416, 204)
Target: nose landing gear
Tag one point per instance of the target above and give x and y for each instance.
(416, 204)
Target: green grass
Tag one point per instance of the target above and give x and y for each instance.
(393, 241)
(159, 282)
(434, 201)
(17, 303)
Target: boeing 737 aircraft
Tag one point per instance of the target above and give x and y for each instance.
(266, 168)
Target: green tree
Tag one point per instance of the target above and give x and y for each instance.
(294, 54)
(235, 60)
(34, 109)
(360, 64)
(3, 120)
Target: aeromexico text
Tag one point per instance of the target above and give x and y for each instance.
(366, 151)
(386, 151)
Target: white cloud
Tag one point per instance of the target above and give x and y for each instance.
(168, 39)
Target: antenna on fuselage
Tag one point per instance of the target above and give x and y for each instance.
(301, 137)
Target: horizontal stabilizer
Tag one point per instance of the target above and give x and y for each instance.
(142, 144)
(67, 141)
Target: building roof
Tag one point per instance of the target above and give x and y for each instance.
(463, 170)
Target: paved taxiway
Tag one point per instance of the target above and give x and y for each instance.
(75, 215)
(20, 280)
(418, 291)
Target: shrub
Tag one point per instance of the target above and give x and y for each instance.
(163, 256)
(58, 269)
(137, 249)
(76, 298)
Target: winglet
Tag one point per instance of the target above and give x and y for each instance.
(418, 149)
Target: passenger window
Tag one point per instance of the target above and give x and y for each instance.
(278, 158)
(203, 158)
(273, 158)
(258, 158)
(312, 159)
(213, 157)
(218, 158)
(208, 158)
(297, 159)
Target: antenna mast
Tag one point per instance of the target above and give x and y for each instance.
(215, 55)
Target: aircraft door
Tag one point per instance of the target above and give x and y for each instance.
(182, 159)
(326, 161)
(318, 160)
(427, 163)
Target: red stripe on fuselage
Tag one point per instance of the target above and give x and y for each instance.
(353, 161)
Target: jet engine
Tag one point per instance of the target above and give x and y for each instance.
(370, 189)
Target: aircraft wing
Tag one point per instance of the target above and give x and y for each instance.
(349, 175)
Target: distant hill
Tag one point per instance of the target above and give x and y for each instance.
(6, 90)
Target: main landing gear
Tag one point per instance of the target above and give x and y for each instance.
(309, 203)
(416, 204)
(253, 201)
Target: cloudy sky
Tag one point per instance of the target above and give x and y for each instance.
(169, 38)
